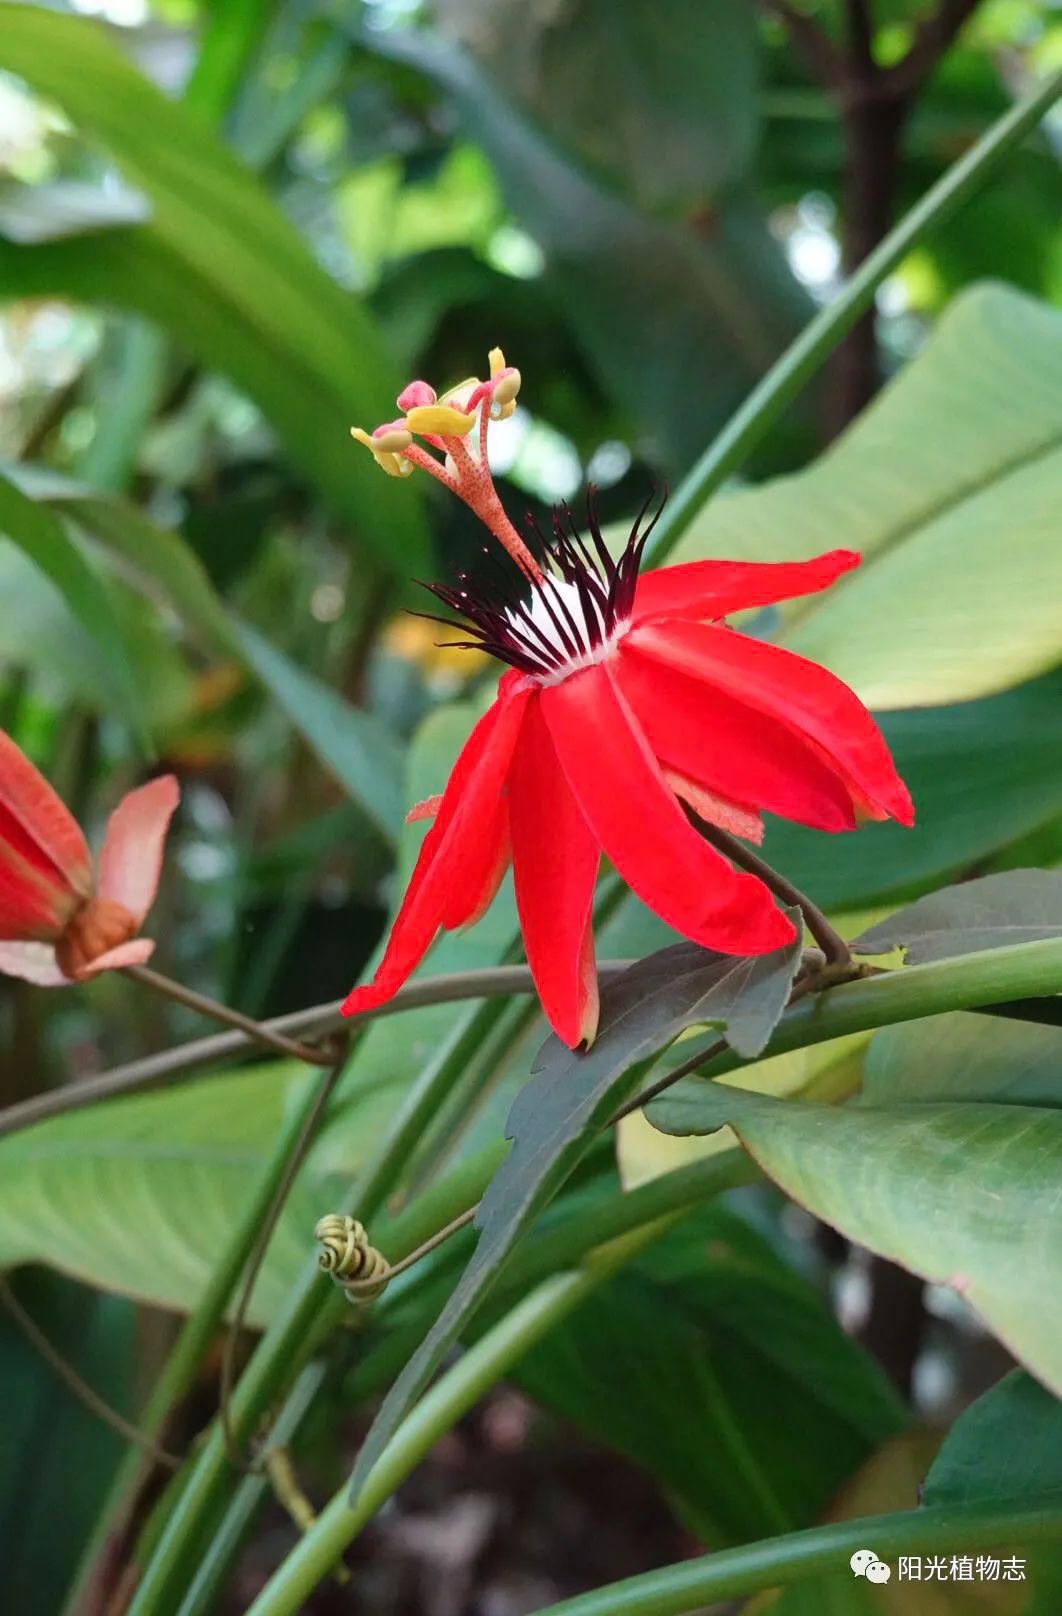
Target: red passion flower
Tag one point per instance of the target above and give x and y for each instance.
(629, 700)
(59, 920)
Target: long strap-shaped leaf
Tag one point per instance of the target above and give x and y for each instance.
(46, 542)
(218, 264)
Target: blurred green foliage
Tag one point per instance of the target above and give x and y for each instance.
(229, 232)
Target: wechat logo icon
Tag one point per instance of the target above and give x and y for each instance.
(865, 1563)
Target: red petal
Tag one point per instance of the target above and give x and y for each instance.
(131, 856)
(715, 810)
(488, 862)
(449, 876)
(625, 799)
(709, 589)
(806, 698)
(729, 747)
(555, 862)
(45, 868)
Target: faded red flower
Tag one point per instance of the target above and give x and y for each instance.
(61, 920)
(630, 699)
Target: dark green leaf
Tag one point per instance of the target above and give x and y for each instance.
(52, 1437)
(571, 1095)
(1008, 1445)
(713, 1364)
(1016, 906)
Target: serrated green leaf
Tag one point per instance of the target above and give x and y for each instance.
(1015, 906)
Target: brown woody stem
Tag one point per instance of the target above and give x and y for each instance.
(270, 1039)
(831, 942)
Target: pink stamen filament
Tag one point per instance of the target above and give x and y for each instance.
(474, 484)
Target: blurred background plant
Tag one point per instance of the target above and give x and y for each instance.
(227, 233)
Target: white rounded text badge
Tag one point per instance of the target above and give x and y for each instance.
(865, 1563)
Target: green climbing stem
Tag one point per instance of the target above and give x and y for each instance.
(778, 1562)
(436, 1413)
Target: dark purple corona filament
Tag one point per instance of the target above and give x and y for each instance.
(582, 599)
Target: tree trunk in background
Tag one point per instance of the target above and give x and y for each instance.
(873, 129)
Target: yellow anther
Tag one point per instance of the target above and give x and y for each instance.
(439, 420)
(503, 402)
(396, 440)
(496, 359)
(389, 456)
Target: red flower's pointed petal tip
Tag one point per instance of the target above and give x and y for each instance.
(369, 997)
(753, 924)
(904, 809)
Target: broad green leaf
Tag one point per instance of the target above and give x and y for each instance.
(1008, 1445)
(713, 1364)
(138, 1195)
(570, 1097)
(948, 485)
(982, 774)
(828, 1071)
(966, 1195)
(965, 1057)
(664, 115)
(1016, 906)
(42, 537)
(218, 265)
